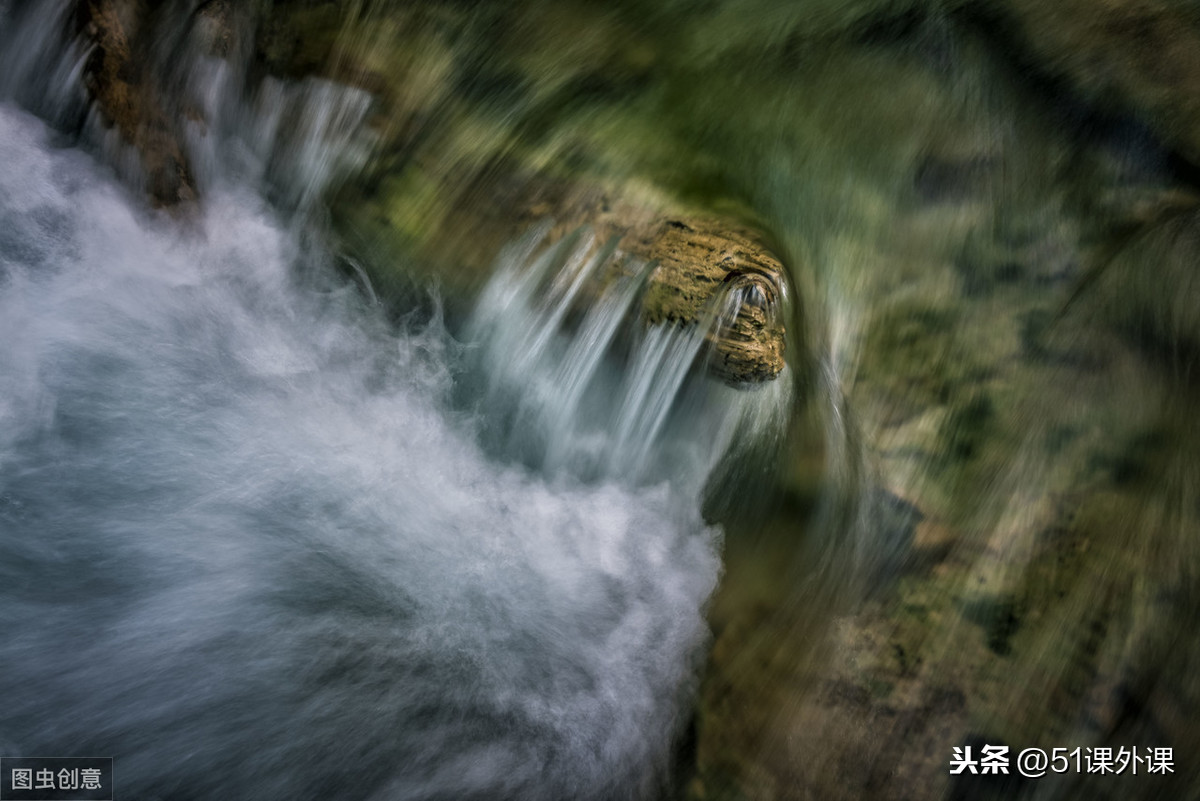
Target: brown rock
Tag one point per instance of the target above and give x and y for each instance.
(119, 80)
(698, 256)
(705, 255)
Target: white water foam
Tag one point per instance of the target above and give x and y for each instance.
(249, 550)
(605, 395)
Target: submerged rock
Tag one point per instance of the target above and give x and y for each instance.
(120, 80)
(1139, 57)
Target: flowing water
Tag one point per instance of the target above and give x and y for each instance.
(272, 528)
(250, 549)
(251, 544)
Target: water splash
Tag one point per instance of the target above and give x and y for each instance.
(295, 138)
(246, 549)
(289, 139)
(584, 387)
(41, 64)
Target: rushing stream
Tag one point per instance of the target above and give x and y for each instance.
(250, 549)
(350, 447)
(250, 543)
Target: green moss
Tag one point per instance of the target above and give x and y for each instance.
(965, 431)
(911, 353)
(298, 39)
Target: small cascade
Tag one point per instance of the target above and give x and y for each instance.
(239, 513)
(292, 137)
(748, 290)
(581, 385)
(289, 139)
(41, 66)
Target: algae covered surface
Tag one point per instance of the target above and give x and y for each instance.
(981, 525)
(981, 528)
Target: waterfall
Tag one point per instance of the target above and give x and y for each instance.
(249, 552)
(393, 401)
(605, 396)
(256, 543)
(41, 64)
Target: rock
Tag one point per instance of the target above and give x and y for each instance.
(1163, 325)
(214, 28)
(1131, 56)
(119, 78)
(297, 39)
(452, 208)
(450, 205)
(698, 256)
